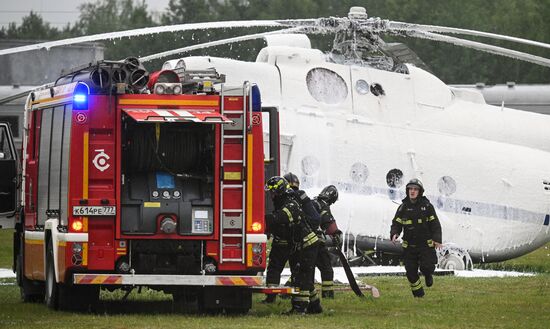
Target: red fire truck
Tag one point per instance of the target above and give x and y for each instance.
(130, 180)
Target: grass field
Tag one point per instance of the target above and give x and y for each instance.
(6, 248)
(515, 302)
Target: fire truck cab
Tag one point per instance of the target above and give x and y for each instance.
(136, 179)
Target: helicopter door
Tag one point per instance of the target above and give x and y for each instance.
(8, 168)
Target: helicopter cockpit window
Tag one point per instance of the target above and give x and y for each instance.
(326, 86)
(362, 87)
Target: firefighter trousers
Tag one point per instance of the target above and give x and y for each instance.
(278, 256)
(303, 276)
(415, 258)
(327, 273)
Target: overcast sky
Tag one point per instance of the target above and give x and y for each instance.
(56, 12)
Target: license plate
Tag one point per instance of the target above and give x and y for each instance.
(94, 211)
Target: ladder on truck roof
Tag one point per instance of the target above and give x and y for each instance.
(233, 148)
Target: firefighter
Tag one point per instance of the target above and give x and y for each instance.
(303, 245)
(327, 197)
(279, 247)
(417, 219)
(312, 216)
(279, 254)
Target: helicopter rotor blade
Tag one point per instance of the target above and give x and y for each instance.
(217, 43)
(145, 31)
(482, 47)
(407, 27)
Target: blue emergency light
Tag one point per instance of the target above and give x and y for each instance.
(256, 99)
(80, 96)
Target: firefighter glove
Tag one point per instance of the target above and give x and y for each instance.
(337, 238)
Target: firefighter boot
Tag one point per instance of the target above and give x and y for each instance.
(417, 289)
(429, 280)
(269, 299)
(419, 293)
(298, 308)
(314, 307)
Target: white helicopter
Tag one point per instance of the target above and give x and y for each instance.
(368, 125)
(359, 119)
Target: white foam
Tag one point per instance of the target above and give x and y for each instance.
(340, 274)
(490, 274)
(6, 273)
(144, 31)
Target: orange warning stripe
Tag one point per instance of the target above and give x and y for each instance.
(269, 290)
(98, 279)
(52, 99)
(189, 102)
(238, 281)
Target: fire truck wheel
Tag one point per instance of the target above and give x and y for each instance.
(31, 291)
(52, 287)
(61, 296)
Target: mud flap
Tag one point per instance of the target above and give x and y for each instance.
(234, 300)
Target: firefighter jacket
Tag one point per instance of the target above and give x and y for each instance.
(279, 228)
(312, 214)
(327, 223)
(419, 223)
(288, 214)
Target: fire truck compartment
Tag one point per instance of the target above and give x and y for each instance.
(167, 178)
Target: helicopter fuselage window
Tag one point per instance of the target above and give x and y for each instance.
(394, 179)
(326, 86)
(446, 185)
(359, 173)
(310, 165)
(377, 90)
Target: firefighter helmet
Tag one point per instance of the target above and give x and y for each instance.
(329, 194)
(415, 182)
(277, 185)
(292, 180)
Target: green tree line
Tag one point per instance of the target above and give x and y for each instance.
(453, 64)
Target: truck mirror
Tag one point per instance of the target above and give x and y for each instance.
(8, 168)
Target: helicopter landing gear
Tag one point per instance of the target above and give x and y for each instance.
(453, 257)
